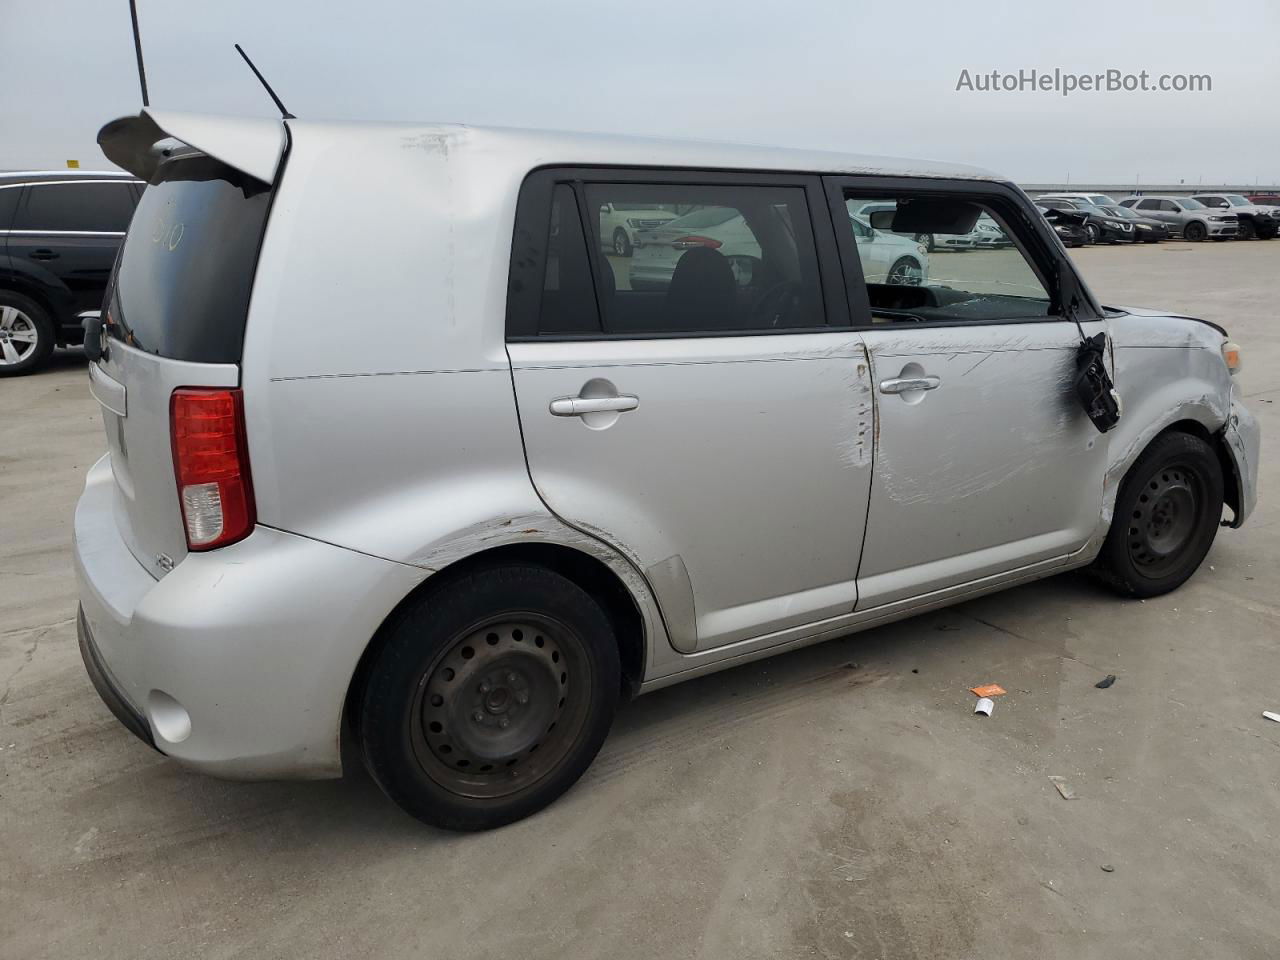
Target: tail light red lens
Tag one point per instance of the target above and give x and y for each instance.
(685, 243)
(211, 462)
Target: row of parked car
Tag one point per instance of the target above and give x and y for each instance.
(1080, 218)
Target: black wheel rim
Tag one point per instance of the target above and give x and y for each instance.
(904, 273)
(620, 243)
(501, 706)
(1165, 520)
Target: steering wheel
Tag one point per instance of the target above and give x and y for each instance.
(778, 302)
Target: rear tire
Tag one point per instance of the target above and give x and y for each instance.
(490, 697)
(26, 335)
(1166, 517)
(1195, 231)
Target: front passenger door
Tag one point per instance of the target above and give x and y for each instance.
(985, 462)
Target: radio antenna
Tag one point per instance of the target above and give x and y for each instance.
(137, 49)
(284, 114)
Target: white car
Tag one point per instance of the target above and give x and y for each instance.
(889, 257)
(1097, 199)
(621, 221)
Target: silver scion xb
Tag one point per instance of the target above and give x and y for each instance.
(402, 466)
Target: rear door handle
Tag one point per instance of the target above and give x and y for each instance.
(908, 384)
(43, 255)
(578, 406)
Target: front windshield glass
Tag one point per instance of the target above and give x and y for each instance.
(1189, 204)
(1236, 200)
(1124, 212)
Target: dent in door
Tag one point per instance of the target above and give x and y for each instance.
(670, 580)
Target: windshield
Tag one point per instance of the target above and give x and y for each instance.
(1101, 199)
(1189, 204)
(1123, 212)
(1237, 201)
(1091, 208)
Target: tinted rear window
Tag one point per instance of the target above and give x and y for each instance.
(186, 269)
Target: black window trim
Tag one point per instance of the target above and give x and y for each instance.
(1032, 235)
(530, 236)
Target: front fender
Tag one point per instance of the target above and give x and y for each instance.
(1167, 370)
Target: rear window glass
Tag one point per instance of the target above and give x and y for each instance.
(186, 268)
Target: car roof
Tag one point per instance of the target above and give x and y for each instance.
(8, 178)
(255, 145)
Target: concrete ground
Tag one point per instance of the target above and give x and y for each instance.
(841, 801)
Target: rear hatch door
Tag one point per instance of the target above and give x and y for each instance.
(176, 309)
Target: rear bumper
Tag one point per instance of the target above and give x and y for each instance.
(129, 715)
(237, 662)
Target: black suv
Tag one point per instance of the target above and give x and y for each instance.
(59, 233)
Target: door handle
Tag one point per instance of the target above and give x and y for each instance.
(43, 255)
(907, 384)
(578, 406)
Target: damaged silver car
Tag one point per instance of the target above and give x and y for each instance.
(440, 502)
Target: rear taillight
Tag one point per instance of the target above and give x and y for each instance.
(686, 243)
(211, 462)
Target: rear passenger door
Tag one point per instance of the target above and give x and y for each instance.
(984, 460)
(67, 232)
(703, 405)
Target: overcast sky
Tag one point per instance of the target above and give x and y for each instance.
(845, 75)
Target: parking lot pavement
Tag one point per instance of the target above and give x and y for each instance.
(841, 801)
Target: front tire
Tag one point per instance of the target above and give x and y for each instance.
(1195, 231)
(26, 335)
(1095, 235)
(905, 272)
(1166, 517)
(490, 697)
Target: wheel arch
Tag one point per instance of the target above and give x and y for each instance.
(590, 573)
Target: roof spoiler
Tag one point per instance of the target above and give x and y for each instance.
(251, 145)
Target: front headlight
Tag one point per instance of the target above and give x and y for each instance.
(1219, 219)
(633, 224)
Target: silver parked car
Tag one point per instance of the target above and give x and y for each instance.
(1257, 220)
(1187, 218)
(453, 541)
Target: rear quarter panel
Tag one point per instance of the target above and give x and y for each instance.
(378, 395)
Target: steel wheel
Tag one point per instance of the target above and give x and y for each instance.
(501, 706)
(1164, 520)
(19, 336)
(905, 272)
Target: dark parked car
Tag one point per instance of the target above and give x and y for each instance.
(1148, 229)
(1067, 224)
(1102, 226)
(59, 233)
